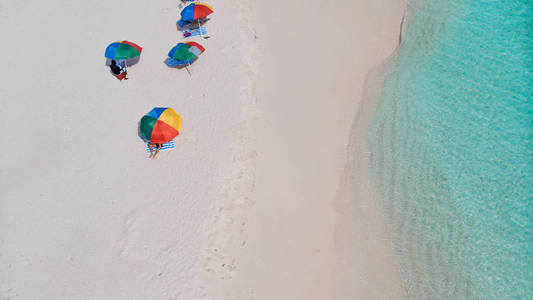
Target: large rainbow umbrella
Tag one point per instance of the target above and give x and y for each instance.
(184, 53)
(196, 11)
(123, 50)
(160, 125)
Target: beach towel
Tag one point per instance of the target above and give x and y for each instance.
(194, 32)
(121, 76)
(165, 146)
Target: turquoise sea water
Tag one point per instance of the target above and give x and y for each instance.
(452, 151)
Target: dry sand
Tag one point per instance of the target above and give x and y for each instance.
(85, 215)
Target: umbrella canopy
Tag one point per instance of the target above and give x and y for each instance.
(160, 125)
(184, 53)
(122, 50)
(196, 11)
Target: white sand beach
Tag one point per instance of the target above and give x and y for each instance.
(243, 208)
(84, 214)
(293, 242)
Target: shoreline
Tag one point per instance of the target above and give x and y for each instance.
(286, 237)
(443, 172)
(362, 237)
(365, 212)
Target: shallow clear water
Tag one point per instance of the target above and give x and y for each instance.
(452, 150)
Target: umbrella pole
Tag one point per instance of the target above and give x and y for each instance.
(188, 69)
(125, 69)
(199, 27)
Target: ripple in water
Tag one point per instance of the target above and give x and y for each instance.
(452, 151)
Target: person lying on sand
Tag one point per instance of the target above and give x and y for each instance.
(118, 70)
(154, 149)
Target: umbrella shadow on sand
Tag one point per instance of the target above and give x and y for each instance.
(183, 25)
(129, 62)
(179, 67)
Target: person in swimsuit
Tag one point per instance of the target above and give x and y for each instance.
(154, 149)
(118, 70)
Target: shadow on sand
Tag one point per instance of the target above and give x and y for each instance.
(182, 25)
(184, 66)
(129, 62)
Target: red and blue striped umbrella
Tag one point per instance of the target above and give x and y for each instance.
(196, 11)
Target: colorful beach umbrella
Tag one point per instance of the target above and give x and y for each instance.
(160, 125)
(123, 50)
(184, 53)
(196, 11)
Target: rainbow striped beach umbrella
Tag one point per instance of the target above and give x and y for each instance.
(123, 50)
(184, 53)
(196, 11)
(160, 125)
